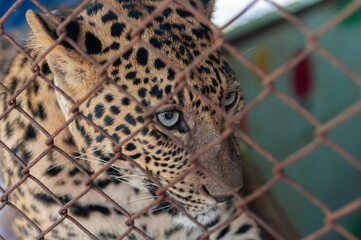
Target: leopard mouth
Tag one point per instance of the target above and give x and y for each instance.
(208, 219)
(205, 218)
(165, 207)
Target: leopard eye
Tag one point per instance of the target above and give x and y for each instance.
(230, 100)
(168, 118)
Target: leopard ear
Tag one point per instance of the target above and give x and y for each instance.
(204, 6)
(73, 73)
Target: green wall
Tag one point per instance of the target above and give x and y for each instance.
(269, 43)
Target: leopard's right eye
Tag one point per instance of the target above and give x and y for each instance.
(169, 118)
(230, 100)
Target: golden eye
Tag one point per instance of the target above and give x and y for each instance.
(168, 118)
(230, 100)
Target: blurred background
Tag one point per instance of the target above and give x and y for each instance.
(268, 40)
(319, 87)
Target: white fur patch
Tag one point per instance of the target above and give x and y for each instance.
(203, 218)
(62, 101)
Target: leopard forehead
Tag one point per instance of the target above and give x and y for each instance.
(175, 33)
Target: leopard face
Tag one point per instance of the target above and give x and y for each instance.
(138, 81)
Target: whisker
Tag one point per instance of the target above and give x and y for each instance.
(99, 160)
(59, 164)
(137, 172)
(142, 199)
(248, 50)
(161, 208)
(132, 184)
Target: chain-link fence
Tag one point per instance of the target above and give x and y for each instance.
(180, 77)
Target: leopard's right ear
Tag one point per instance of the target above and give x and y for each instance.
(44, 28)
(73, 73)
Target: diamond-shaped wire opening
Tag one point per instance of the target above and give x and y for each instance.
(14, 211)
(336, 172)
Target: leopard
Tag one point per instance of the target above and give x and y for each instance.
(86, 149)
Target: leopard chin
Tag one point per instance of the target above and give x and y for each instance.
(207, 219)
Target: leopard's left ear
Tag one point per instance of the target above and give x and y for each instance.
(204, 6)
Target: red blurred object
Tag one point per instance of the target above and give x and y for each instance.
(302, 79)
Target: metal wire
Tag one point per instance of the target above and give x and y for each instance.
(320, 138)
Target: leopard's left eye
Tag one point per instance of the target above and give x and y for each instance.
(168, 118)
(230, 100)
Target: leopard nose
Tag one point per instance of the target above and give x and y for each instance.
(218, 198)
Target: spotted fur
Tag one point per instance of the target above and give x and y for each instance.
(175, 33)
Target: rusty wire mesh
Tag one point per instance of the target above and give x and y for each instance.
(320, 134)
